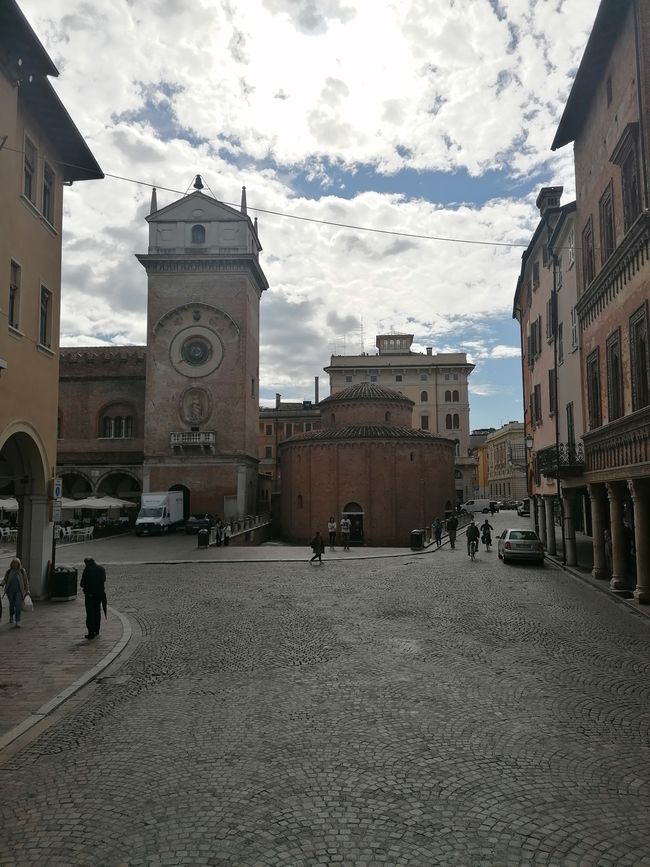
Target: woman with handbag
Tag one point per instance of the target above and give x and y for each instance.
(16, 586)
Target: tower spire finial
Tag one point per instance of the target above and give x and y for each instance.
(154, 201)
(243, 200)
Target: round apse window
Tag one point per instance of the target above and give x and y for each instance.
(196, 351)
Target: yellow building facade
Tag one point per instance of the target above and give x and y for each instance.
(40, 151)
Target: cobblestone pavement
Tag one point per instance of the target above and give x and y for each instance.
(416, 711)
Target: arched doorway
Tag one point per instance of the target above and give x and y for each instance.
(186, 499)
(355, 513)
(24, 474)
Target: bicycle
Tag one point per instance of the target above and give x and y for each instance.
(473, 545)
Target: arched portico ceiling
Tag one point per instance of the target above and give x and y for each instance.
(23, 463)
(75, 482)
(353, 509)
(120, 483)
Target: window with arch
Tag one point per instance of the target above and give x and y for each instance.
(300, 501)
(116, 422)
(198, 234)
(454, 397)
(448, 396)
(456, 421)
(387, 416)
(424, 397)
(332, 418)
(457, 444)
(448, 421)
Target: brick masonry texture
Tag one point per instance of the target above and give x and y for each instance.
(413, 711)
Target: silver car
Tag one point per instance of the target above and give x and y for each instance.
(518, 544)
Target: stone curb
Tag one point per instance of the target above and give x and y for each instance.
(46, 709)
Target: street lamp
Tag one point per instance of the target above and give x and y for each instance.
(530, 442)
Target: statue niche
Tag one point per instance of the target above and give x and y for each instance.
(195, 406)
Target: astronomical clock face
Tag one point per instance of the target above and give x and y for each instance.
(195, 351)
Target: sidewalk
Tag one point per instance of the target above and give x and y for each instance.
(47, 660)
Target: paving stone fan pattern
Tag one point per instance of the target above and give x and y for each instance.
(424, 711)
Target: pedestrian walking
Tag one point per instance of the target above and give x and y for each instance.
(317, 546)
(331, 529)
(227, 533)
(93, 580)
(344, 526)
(607, 544)
(452, 527)
(436, 528)
(16, 586)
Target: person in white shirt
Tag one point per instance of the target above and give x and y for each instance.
(331, 529)
(345, 532)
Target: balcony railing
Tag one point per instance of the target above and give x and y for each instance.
(622, 443)
(203, 440)
(567, 458)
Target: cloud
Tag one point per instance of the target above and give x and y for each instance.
(505, 352)
(278, 94)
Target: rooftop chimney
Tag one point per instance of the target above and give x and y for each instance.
(429, 350)
(316, 390)
(549, 197)
(278, 397)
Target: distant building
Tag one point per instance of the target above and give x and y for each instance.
(507, 462)
(41, 151)
(479, 451)
(436, 384)
(279, 422)
(366, 462)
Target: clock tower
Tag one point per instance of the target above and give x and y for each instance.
(202, 365)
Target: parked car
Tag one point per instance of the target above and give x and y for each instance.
(524, 509)
(199, 522)
(520, 544)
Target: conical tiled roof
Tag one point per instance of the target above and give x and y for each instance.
(365, 391)
(366, 432)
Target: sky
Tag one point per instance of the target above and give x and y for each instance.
(417, 117)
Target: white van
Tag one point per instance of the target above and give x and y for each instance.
(472, 506)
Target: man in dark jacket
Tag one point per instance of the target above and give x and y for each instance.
(92, 584)
(473, 535)
(452, 526)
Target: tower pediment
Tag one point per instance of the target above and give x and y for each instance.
(199, 224)
(194, 206)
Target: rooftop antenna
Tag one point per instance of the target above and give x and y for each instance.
(361, 339)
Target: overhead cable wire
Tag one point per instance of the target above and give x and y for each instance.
(300, 217)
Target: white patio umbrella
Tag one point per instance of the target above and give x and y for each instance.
(101, 503)
(9, 504)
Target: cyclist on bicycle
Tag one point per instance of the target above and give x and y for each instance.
(486, 535)
(473, 535)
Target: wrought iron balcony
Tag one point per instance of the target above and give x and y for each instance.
(192, 440)
(567, 459)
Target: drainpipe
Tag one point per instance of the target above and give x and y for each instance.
(554, 308)
(639, 95)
